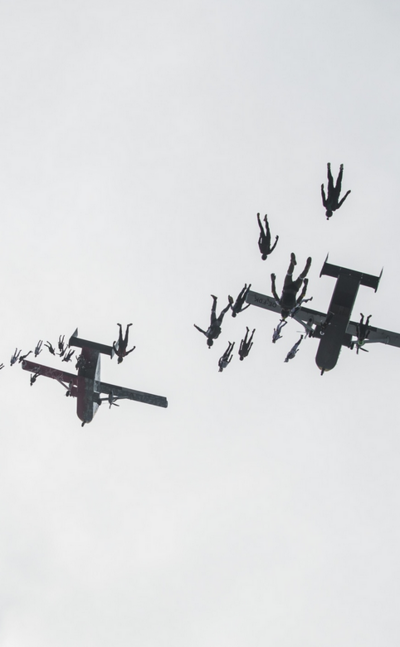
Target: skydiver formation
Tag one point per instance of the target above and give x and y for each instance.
(293, 297)
(290, 304)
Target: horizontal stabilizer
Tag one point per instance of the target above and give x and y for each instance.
(370, 281)
(84, 343)
(130, 394)
(376, 335)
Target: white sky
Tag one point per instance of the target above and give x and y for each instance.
(138, 142)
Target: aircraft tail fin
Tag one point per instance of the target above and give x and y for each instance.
(370, 281)
(74, 340)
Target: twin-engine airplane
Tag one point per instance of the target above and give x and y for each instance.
(86, 386)
(334, 329)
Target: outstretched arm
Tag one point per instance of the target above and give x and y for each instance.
(323, 195)
(343, 199)
(200, 330)
(274, 245)
(303, 292)
(129, 351)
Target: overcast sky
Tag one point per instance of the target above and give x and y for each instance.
(138, 142)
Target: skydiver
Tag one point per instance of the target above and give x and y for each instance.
(295, 349)
(51, 348)
(246, 344)
(22, 357)
(214, 329)
(264, 240)
(226, 358)
(38, 348)
(332, 202)
(1, 366)
(277, 331)
(288, 301)
(241, 298)
(61, 346)
(68, 356)
(80, 362)
(34, 377)
(362, 332)
(14, 357)
(122, 344)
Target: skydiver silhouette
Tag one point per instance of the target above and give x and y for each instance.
(122, 344)
(288, 301)
(277, 331)
(246, 344)
(332, 202)
(214, 329)
(38, 348)
(61, 345)
(22, 357)
(34, 377)
(295, 349)
(1, 366)
(362, 332)
(80, 362)
(240, 299)
(68, 356)
(226, 358)
(51, 348)
(14, 357)
(264, 240)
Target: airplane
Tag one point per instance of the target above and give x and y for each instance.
(86, 386)
(334, 329)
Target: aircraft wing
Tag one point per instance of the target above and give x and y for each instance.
(47, 371)
(305, 316)
(130, 394)
(376, 335)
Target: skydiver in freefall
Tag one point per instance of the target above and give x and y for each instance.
(362, 332)
(22, 357)
(241, 298)
(68, 356)
(246, 344)
(226, 358)
(14, 358)
(38, 348)
(1, 366)
(80, 362)
(288, 301)
(122, 344)
(51, 348)
(61, 345)
(34, 377)
(332, 202)
(214, 329)
(277, 331)
(264, 240)
(295, 349)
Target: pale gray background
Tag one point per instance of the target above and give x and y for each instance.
(138, 140)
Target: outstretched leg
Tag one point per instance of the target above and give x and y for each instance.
(213, 308)
(306, 268)
(338, 186)
(222, 314)
(289, 273)
(331, 186)
(127, 335)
